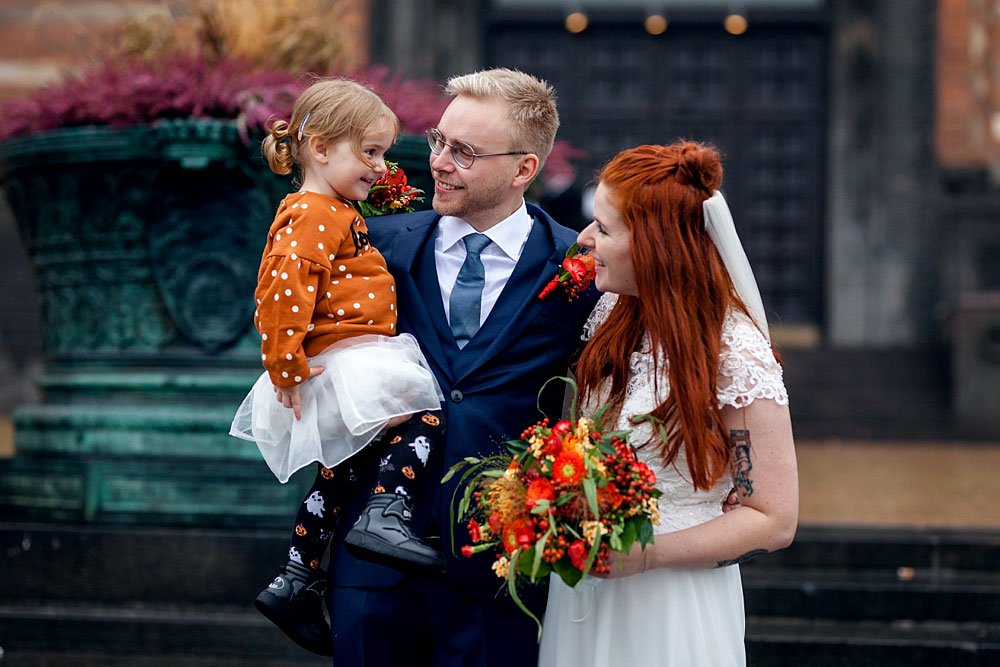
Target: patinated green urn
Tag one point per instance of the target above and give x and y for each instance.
(145, 243)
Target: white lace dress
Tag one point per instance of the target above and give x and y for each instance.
(666, 617)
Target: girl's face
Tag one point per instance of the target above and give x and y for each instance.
(609, 242)
(336, 170)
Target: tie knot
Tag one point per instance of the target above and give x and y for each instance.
(474, 243)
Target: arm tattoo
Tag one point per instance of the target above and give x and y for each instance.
(742, 559)
(740, 442)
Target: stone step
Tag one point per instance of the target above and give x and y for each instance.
(62, 563)
(961, 597)
(878, 548)
(778, 642)
(85, 634)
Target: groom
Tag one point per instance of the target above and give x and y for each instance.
(468, 276)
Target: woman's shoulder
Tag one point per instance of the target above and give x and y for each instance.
(748, 369)
(599, 314)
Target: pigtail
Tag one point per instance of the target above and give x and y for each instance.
(276, 149)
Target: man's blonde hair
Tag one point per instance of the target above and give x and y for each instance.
(531, 106)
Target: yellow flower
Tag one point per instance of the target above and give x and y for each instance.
(501, 567)
(590, 529)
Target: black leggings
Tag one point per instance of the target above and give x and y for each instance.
(403, 461)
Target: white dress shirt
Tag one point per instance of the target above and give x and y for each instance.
(499, 257)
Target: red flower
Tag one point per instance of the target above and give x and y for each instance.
(553, 445)
(468, 551)
(562, 427)
(577, 554)
(495, 522)
(517, 534)
(577, 267)
(540, 489)
(474, 531)
(574, 274)
(568, 468)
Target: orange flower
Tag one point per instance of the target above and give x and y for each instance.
(540, 489)
(568, 468)
(517, 534)
(609, 495)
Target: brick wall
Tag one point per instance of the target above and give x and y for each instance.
(968, 84)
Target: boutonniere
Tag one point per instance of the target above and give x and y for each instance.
(390, 194)
(574, 275)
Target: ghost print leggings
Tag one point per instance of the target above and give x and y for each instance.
(402, 464)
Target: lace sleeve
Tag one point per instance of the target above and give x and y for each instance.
(599, 314)
(747, 367)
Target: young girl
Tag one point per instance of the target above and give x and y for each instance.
(336, 373)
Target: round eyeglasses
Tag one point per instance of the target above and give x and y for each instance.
(461, 152)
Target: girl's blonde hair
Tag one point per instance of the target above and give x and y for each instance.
(333, 110)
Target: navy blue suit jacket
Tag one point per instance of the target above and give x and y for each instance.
(491, 386)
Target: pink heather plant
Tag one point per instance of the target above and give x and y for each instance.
(119, 92)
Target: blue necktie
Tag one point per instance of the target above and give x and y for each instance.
(467, 295)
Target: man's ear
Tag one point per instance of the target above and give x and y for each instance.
(527, 169)
(319, 149)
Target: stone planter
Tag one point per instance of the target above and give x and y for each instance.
(145, 243)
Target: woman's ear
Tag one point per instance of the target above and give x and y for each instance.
(319, 149)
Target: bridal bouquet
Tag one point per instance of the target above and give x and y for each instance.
(390, 194)
(565, 497)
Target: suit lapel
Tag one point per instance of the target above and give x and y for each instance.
(411, 258)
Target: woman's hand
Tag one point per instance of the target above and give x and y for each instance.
(289, 396)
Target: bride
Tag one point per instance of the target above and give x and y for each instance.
(681, 335)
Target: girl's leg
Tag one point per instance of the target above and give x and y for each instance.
(406, 451)
(294, 600)
(319, 513)
(383, 532)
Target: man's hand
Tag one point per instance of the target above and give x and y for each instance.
(732, 502)
(396, 421)
(289, 396)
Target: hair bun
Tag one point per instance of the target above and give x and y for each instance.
(699, 165)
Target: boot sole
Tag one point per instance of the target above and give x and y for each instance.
(364, 546)
(279, 612)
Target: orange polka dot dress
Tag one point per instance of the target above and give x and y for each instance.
(320, 281)
(325, 298)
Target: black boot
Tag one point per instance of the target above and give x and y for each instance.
(383, 534)
(294, 602)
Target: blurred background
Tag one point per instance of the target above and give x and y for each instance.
(862, 155)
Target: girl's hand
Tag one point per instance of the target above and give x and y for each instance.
(289, 396)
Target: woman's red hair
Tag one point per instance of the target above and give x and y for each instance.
(684, 294)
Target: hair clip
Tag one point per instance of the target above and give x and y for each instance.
(302, 125)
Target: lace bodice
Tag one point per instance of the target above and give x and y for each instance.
(747, 372)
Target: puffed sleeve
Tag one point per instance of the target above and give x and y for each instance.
(284, 315)
(747, 367)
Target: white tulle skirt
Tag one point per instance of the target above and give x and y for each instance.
(368, 380)
(661, 618)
